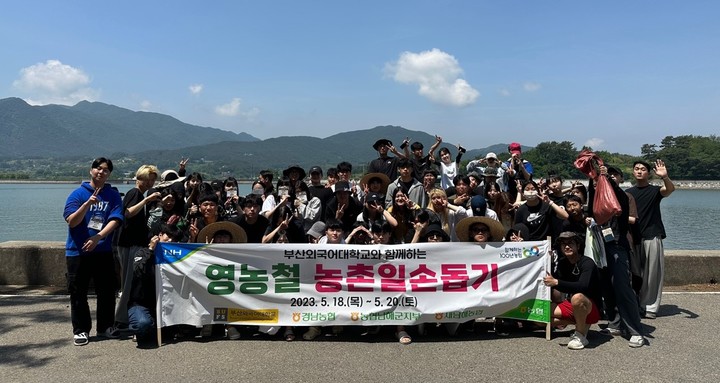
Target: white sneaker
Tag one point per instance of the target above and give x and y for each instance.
(636, 341)
(81, 339)
(577, 341)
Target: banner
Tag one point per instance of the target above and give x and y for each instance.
(323, 285)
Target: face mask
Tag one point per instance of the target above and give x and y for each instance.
(530, 195)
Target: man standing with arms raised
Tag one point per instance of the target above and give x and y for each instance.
(93, 211)
(384, 163)
(651, 230)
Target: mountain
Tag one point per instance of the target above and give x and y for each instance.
(245, 159)
(88, 128)
(55, 141)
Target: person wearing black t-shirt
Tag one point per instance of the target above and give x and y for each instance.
(576, 290)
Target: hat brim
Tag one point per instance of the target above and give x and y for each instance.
(165, 184)
(236, 232)
(382, 176)
(383, 141)
(438, 230)
(486, 173)
(462, 229)
(300, 170)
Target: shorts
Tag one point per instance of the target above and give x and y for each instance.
(567, 312)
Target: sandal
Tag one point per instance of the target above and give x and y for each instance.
(289, 335)
(403, 337)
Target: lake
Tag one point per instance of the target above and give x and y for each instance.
(34, 212)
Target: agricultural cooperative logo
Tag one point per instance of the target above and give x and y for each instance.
(519, 252)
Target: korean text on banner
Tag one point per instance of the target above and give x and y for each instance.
(304, 285)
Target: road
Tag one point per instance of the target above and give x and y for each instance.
(36, 345)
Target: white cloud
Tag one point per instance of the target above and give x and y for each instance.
(531, 86)
(437, 75)
(145, 105)
(196, 88)
(232, 109)
(595, 143)
(53, 82)
(504, 92)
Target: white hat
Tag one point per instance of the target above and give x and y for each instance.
(168, 178)
(491, 155)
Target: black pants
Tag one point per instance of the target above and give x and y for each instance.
(621, 306)
(81, 269)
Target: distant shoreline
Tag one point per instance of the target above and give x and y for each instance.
(112, 182)
(679, 184)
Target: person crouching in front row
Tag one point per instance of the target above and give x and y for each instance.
(576, 290)
(141, 303)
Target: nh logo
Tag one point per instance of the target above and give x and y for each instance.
(175, 252)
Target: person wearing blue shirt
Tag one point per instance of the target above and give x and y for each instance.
(92, 211)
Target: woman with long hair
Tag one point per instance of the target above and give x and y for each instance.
(497, 200)
(401, 215)
(448, 213)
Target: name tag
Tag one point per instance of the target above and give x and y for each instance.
(96, 222)
(608, 234)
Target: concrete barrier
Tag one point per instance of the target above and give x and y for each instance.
(25, 263)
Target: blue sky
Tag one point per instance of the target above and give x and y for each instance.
(611, 74)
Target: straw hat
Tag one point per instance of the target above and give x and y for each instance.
(462, 229)
(384, 179)
(236, 232)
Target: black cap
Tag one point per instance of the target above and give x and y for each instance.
(373, 197)
(341, 186)
(315, 169)
(614, 169)
(217, 185)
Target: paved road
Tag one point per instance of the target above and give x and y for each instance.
(35, 345)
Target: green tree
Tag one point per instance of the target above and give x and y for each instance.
(554, 158)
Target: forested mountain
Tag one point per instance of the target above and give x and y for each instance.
(245, 159)
(89, 128)
(242, 159)
(58, 142)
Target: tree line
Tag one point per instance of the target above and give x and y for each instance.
(687, 158)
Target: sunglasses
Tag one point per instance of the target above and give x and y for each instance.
(479, 229)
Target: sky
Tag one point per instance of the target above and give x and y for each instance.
(612, 75)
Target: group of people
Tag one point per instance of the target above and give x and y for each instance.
(610, 269)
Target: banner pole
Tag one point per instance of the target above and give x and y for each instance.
(548, 268)
(158, 299)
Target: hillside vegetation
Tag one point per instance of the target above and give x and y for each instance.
(58, 142)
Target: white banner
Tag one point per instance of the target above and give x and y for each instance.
(304, 284)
